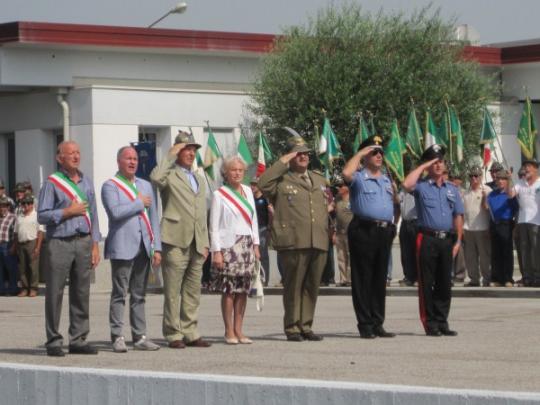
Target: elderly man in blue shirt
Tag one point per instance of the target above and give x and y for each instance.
(440, 222)
(67, 207)
(370, 235)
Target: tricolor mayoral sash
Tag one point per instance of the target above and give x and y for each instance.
(74, 193)
(240, 202)
(131, 192)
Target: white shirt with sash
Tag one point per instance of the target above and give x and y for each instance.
(230, 217)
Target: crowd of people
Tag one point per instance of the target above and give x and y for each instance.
(290, 208)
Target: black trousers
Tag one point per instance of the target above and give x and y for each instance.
(434, 280)
(369, 247)
(502, 252)
(407, 242)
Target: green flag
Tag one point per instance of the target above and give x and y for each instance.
(527, 130)
(211, 155)
(456, 132)
(442, 136)
(430, 133)
(329, 149)
(414, 135)
(243, 150)
(362, 134)
(393, 152)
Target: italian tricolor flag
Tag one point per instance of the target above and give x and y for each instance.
(264, 155)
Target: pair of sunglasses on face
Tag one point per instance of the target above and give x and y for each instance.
(376, 152)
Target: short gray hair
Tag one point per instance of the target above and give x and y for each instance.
(228, 162)
(122, 149)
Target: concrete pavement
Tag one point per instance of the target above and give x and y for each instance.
(497, 347)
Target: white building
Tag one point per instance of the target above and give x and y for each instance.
(110, 86)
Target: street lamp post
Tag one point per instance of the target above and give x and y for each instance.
(178, 9)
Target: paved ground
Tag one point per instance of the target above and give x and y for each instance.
(497, 347)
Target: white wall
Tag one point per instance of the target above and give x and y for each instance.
(60, 67)
(35, 151)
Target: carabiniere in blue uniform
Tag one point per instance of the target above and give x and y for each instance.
(437, 205)
(370, 237)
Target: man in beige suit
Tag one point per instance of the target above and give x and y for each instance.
(184, 236)
(299, 234)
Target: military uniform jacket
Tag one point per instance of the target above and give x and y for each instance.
(300, 210)
(184, 211)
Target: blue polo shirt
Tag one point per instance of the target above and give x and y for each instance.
(436, 206)
(502, 208)
(371, 197)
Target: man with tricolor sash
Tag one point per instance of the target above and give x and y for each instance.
(184, 236)
(67, 207)
(132, 243)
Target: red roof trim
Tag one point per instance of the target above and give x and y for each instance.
(483, 55)
(78, 34)
(101, 35)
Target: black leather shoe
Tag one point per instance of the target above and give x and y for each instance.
(312, 336)
(295, 337)
(380, 332)
(433, 332)
(55, 351)
(84, 349)
(367, 335)
(448, 332)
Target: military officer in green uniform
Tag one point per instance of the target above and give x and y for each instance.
(299, 234)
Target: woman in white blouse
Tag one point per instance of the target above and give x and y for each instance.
(234, 243)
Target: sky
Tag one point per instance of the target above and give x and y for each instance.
(495, 20)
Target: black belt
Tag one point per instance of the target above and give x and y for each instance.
(504, 221)
(437, 234)
(372, 222)
(73, 237)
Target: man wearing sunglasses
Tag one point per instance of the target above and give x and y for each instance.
(440, 224)
(370, 235)
(477, 244)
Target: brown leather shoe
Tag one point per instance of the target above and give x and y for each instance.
(199, 343)
(177, 344)
(22, 293)
(33, 293)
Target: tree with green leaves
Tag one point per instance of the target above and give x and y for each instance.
(348, 62)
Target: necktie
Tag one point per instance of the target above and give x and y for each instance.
(306, 178)
(193, 181)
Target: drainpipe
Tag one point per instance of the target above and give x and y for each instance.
(60, 97)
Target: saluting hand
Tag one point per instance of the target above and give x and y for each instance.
(288, 157)
(175, 149)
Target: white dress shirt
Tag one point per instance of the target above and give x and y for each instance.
(226, 222)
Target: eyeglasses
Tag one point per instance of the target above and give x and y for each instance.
(474, 175)
(27, 203)
(376, 152)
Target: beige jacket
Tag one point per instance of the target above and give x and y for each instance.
(184, 211)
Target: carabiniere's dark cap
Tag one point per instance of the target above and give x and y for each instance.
(187, 138)
(297, 144)
(533, 162)
(376, 141)
(435, 151)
